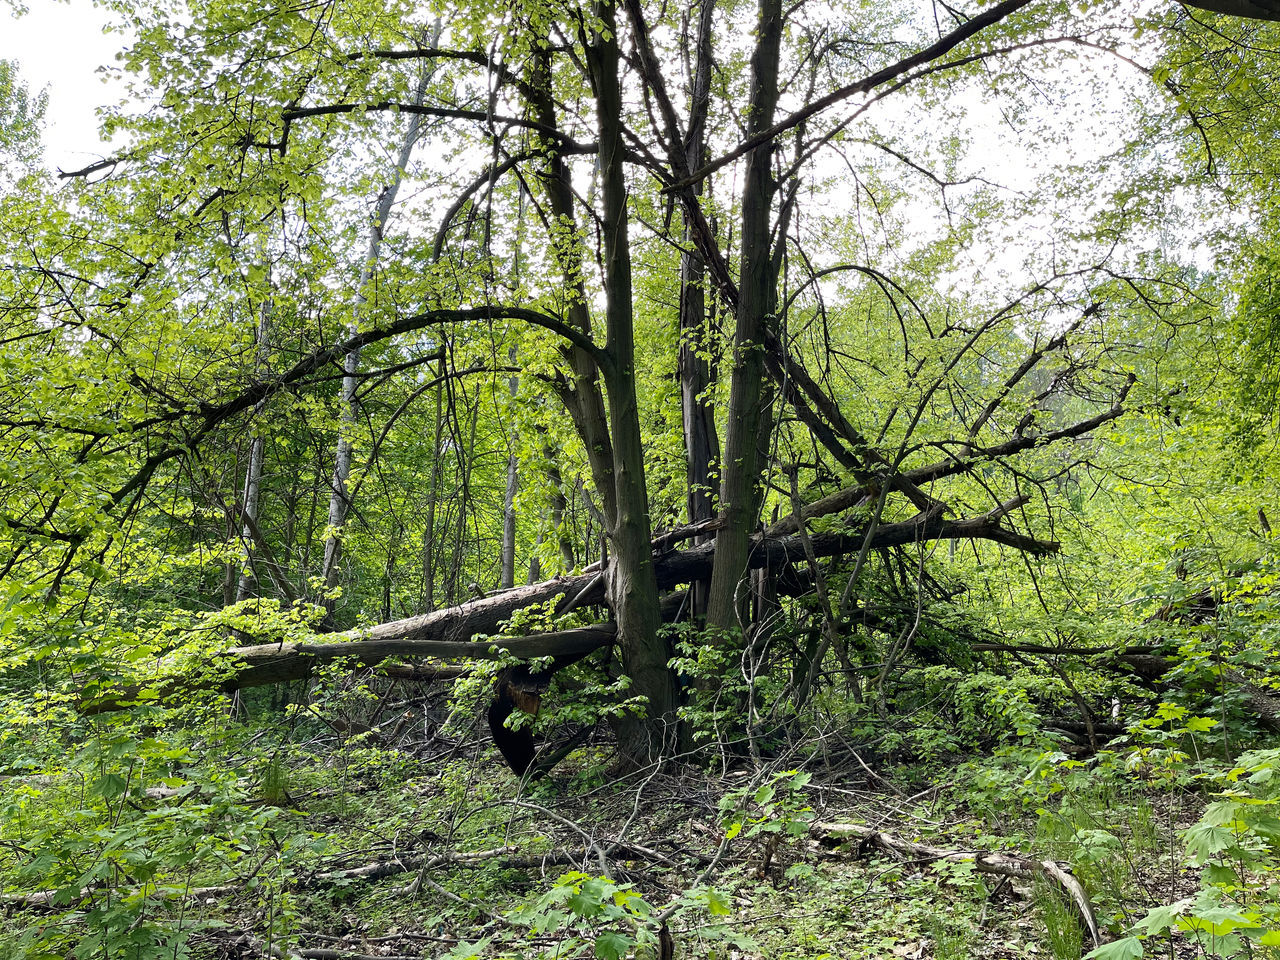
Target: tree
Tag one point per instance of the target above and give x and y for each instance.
(912, 404)
(20, 129)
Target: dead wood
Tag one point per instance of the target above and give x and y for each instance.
(999, 864)
(1151, 667)
(448, 633)
(283, 662)
(678, 567)
(509, 857)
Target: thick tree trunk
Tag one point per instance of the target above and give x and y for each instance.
(697, 346)
(633, 586)
(613, 442)
(255, 666)
(748, 418)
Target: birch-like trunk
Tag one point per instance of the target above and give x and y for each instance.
(338, 502)
(509, 500)
(252, 493)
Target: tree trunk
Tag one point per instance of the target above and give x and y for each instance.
(429, 525)
(338, 503)
(633, 585)
(749, 418)
(509, 500)
(253, 473)
(579, 393)
(697, 347)
(613, 443)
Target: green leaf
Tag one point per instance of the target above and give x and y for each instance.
(1204, 841)
(1125, 949)
(109, 786)
(1215, 920)
(589, 900)
(718, 904)
(613, 946)
(1159, 919)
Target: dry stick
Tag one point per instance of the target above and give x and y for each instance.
(999, 864)
(875, 776)
(620, 840)
(723, 848)
(587, 839)
(377, 870)
(307, 953)
(815, 665)
(903, 641)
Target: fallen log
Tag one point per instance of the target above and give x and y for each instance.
(448, 633)
(509, 857)
(678, 567)
(1151, 667)
(276, 663)
(999, 864)
(1142, 660)
(282, 662)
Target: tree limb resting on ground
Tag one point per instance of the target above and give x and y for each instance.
(1000, 864)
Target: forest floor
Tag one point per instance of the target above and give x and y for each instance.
(458, 858)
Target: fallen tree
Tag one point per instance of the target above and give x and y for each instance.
(450, 634)
(269, 663)
(1146, 663)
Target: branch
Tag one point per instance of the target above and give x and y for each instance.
(1000, 864)
(859, 493)
(969, 28)
(446, 113)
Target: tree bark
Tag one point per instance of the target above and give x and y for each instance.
(1249, 9)
(338, 502)
(253, 472)
(697, 346)
(509, 499)
(633, 586)
(748, 415)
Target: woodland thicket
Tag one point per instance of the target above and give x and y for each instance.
(625, 480)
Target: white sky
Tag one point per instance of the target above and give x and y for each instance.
(61, 46)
